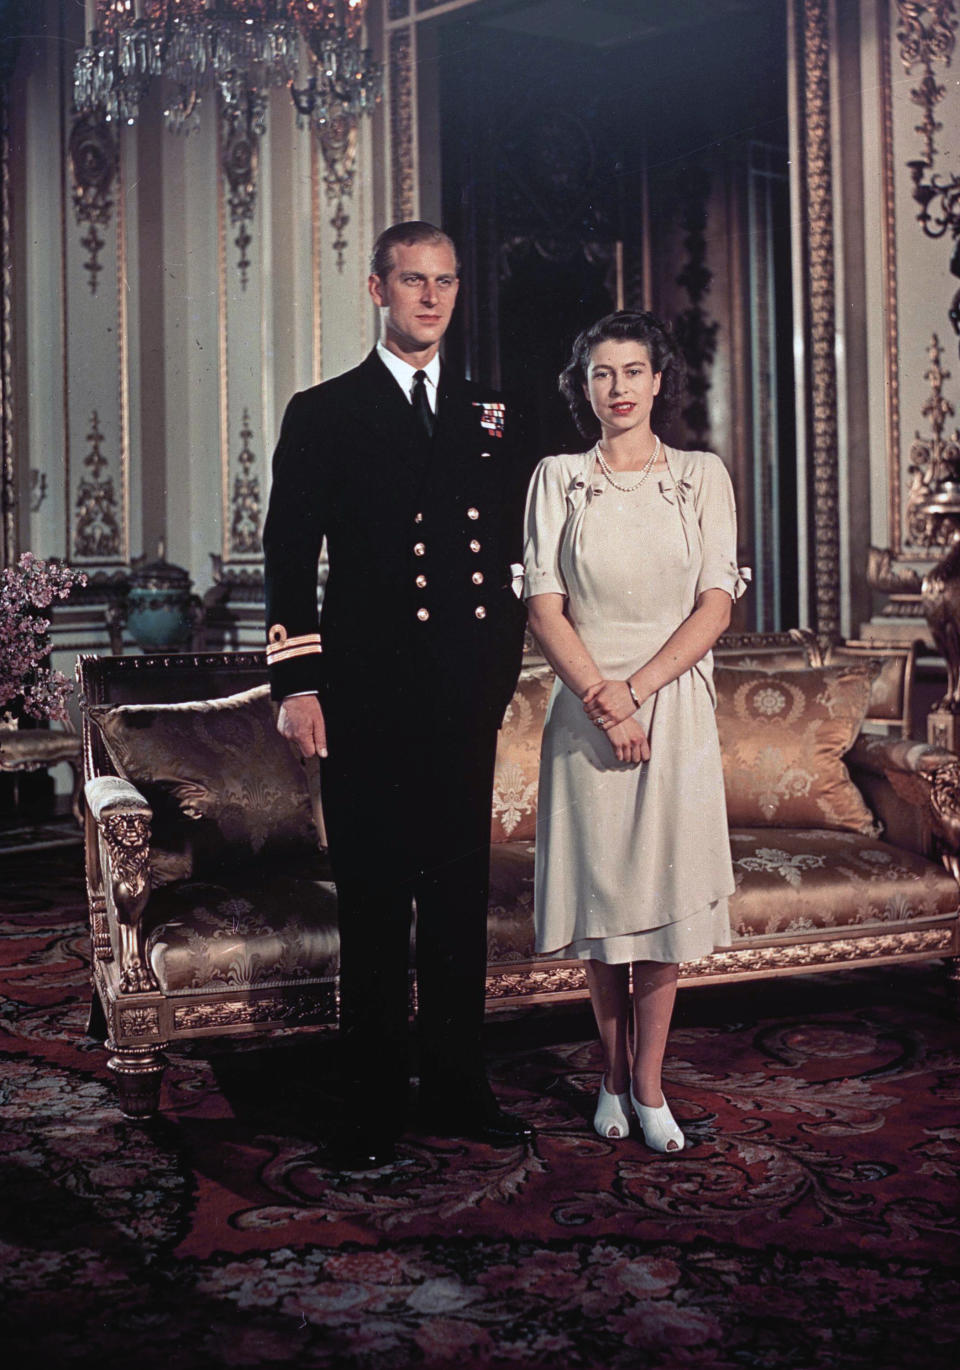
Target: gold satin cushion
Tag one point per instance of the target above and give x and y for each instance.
(247, 935)
(514, 817)
(224, 786)
(797, 883)
(783, 735)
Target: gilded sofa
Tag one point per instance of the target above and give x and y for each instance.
(212, 910)
(830, 888)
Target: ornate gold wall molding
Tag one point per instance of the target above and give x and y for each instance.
(94, 165)
(338, 144)
(96, 531)
(246, 498)
(316, 261)
(927, 36)
(401, 122)
(932, 457)
(817, 181)
(8, 491)
(891, 302)
(924, 45)
(240, 133)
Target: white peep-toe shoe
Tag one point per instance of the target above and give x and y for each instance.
(612, 1118)
(659, 1126)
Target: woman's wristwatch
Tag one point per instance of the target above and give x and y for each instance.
(633, 693)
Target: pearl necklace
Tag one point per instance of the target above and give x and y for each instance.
(629, 489)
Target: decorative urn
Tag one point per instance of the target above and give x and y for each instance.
(161, 611)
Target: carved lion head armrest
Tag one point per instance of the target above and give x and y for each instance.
(122, 818)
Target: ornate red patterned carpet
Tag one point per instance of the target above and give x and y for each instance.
(812, 1221)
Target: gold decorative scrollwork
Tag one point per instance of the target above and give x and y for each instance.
(240, 131)
(338, 144)
(818, 196)
(923, 45)
(945, 798)
(97, 527)
(100, 935)
(139, 1022)
(95, 165)
(8, 496)
(927, 35)
(932, 458)
(275, 1008)
(246, 500)
(401, 121)
(916, 942)
(510, 984)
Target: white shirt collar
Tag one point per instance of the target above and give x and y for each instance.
(403, 373)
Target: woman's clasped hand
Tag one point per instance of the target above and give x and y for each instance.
(611, 706)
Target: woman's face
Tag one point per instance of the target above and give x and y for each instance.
(621, 384)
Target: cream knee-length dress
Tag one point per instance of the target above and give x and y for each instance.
(632, 862)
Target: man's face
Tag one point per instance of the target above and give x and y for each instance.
(416, 298)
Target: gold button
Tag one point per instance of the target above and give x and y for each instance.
(418, 549)
(480, 611)
(423, 615)
(421, 582)
(473, 513)
(477, 577)
(474, 545)
(418, 518)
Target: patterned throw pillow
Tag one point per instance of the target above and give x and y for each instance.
(221, 765)
(782, 736)
(514, 816)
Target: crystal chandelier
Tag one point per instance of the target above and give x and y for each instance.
(237, 47)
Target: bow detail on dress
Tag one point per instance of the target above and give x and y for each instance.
(674, 490)
(744, 574)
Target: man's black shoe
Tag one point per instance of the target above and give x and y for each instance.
(352, 1151)
(489, 1125)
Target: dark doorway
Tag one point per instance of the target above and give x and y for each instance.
(626, 154)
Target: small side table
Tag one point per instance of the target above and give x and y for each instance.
(36, 749)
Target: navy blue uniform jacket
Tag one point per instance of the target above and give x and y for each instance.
(420, 536)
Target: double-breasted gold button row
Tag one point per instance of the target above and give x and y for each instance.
(419, 550)
(424, 614)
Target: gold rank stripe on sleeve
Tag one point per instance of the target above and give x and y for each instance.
(283, 648)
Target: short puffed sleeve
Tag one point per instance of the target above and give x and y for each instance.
(717, 516)
(544, 522)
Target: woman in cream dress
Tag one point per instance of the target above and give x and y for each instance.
(630, 575)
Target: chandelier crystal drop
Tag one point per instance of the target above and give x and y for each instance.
(240, 48)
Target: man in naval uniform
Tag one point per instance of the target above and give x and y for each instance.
(416, 478)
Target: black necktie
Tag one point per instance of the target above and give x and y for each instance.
(421, 405)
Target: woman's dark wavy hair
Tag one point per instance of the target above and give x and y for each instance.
(624, 326)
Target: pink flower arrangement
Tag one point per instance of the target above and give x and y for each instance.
(24, 642)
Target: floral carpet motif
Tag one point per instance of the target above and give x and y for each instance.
(813, 1219)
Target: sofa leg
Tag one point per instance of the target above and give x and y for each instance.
(139, 1072)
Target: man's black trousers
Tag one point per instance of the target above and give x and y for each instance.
(407, 809)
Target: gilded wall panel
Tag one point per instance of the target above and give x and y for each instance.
(94, 347)
(925, 212)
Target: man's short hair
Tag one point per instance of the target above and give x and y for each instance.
(413, 231)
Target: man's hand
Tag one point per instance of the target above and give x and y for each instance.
(629, 742)
(301, 721)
